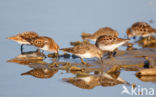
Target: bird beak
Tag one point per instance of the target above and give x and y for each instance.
(12, 38)
(57, 54)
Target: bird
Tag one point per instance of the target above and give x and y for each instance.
(110, 43)
(85, 51)
(21, 38)
(41, 73)
(140, 29)
(85, 82)
(98, 33)
(44, 43)
(107, 79)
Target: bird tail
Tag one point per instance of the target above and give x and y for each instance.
(127, 40)
(123, 81)
(26, 73)
(86, 35)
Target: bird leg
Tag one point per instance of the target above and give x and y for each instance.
(42, 51)
(38, 50)
(22, 48)
(57, 54)
(114, 53)
(134, 37)
(83, 62)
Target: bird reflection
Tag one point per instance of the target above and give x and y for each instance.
(130, 47)
(87, 82)
(151, 78)
(34, 59)
(41, 72)
(147, 75)
(91, 81)
(27, 58)
(111, 79)
(146, 43)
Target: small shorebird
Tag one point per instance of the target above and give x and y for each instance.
(85, 82)
(44, 43)
(110, 43)
(108, 80)
(100, 32)
(21, 38)
(85, 51)
(41, 72)
(140, 29)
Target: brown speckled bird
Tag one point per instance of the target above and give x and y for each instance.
(44, 43)
(100, 32)
(28, 58)
(21, 38)
(85, 51)
(140, 29)
(109, 43)
(107, 80)
(40, 73)
(87, 82)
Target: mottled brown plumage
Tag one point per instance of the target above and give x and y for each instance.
(40, 73)
(29, 35)
(141, 29)
(109, 43)
(21, 37)
(100, 32)
(108, 80)
(88, 82)
(84, 51)
(28, 58)
(44, 43)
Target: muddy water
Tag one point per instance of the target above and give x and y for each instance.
(64, 21)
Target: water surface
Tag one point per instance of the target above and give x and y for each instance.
(64, 20)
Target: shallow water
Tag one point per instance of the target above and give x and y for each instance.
(64, 21)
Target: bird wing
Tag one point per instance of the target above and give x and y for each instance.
(79, 49)
(29, 35)
(106, 31)
(38, 42)
(106, 40)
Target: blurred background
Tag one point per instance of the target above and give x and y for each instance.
(64, 21)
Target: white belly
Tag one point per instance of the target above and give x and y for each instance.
(110, 47)
(93, 40)
(86, 55)
(22, 42)
(86, 79)
(45, 47)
